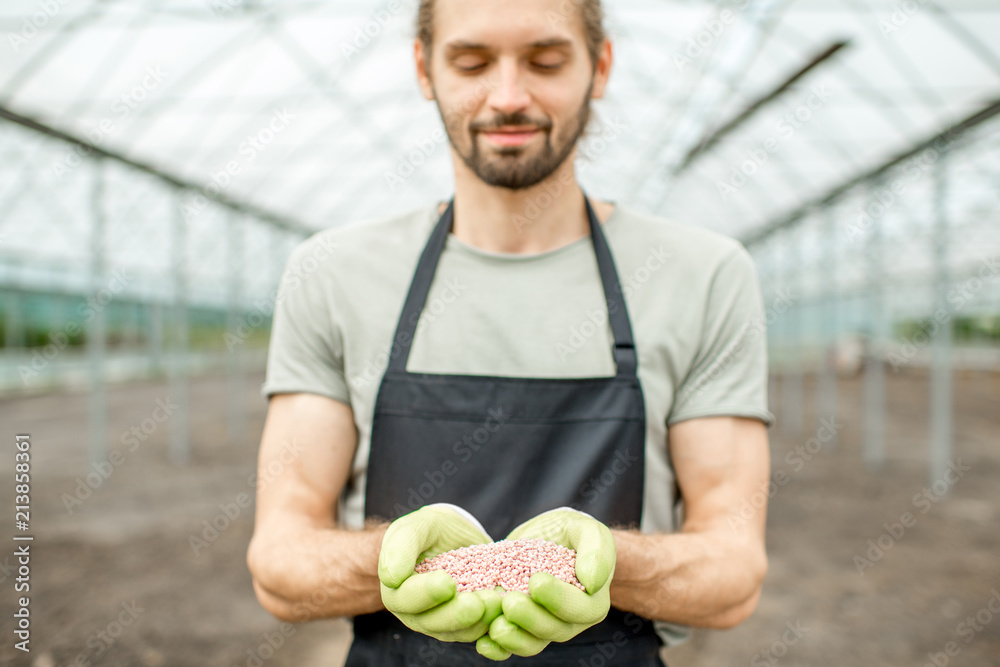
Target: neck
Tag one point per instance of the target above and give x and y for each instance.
(528, 221)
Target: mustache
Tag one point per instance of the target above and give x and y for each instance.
(513, 119)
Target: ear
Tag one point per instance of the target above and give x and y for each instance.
(421, 57)
(602, 69)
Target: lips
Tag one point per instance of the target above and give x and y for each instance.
(512, 137)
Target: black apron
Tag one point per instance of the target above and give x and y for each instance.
(507, 449)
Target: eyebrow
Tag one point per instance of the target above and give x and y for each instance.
(462, 45)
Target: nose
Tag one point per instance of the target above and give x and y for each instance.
(510, 93)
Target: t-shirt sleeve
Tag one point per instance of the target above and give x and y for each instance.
(729, 373)
(306, 353)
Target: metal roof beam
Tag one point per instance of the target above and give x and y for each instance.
(177, 182)
(952, 133)
(759, 103)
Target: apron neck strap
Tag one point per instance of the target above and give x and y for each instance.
(621, 328)
(624, 348)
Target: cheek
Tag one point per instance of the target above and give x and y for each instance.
(459, 104)
(562, 104)
(455, 117)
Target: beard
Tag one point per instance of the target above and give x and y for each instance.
(520, 167)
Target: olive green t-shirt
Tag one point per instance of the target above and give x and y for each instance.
(692, 296)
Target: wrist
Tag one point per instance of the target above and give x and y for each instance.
(643, 583)
(639, 558)
(365, 563)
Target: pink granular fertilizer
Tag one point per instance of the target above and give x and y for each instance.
(507, 563)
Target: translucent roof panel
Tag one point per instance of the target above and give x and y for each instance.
(303, 108)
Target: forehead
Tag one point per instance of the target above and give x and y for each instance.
(506, 23)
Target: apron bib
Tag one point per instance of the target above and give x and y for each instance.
(507, 449)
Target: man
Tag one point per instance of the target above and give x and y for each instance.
(521, 361)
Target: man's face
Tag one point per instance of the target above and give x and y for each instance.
(513, 85)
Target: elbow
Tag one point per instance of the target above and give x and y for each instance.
(262, 578)
(257, 562)
(740, 612)
(734, 615)
(277, 607)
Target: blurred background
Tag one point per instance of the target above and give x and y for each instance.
(160, 159)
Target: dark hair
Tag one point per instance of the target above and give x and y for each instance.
(590, 10)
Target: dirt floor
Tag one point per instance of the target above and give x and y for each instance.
(115, 580)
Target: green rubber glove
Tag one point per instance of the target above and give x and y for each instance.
(556, 611)
(428, 603)
(488, 648)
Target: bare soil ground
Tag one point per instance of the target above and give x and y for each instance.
(115, 580)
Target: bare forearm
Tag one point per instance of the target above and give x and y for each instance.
(698, 579)
(308, 573)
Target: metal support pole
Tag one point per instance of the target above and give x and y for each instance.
(13, 321)
(134, 327)
(826, 394)
(179, 447)
(764, 286)
(941, 373)
(234, 345)
(874, 382)
(155, 336)
(767, 291)
(282, 247)
(792, 383)
(96, 328)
